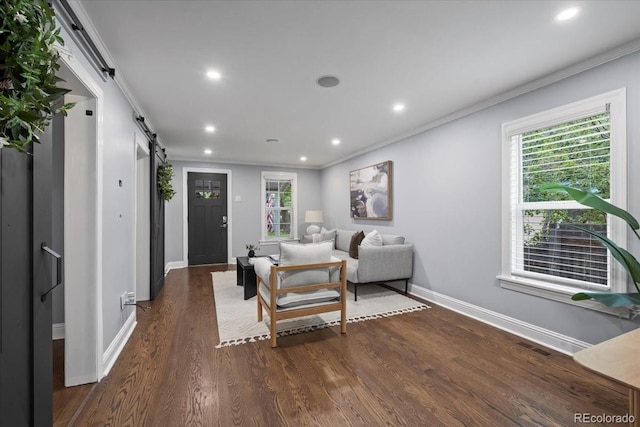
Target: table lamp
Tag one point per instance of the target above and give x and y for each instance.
(313, 217)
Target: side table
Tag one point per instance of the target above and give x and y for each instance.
(617, 359)
(246, 276)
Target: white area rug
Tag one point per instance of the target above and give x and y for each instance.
(238, 319)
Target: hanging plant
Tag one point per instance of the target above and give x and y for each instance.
(28, 65)
(165, 174)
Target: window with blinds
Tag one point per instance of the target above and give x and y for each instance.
(582, 145)
(544, 239)
(278, 205)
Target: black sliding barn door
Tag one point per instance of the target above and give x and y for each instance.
(16, 293)
(157, 221)
(26, 368)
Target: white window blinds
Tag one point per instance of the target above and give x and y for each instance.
(545, 242)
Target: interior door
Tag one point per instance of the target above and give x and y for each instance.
(207, 218)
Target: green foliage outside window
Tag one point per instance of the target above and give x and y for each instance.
(574, 153)
(278, 199)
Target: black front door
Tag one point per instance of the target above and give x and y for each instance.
(207, 218)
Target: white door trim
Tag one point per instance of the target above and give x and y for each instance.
(140, 152)
(185, 210)
(91, 308)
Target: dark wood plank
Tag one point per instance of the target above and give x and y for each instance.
(433, 367)
(66, 400)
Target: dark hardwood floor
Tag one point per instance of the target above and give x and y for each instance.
(427, 368)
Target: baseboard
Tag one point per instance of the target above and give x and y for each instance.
(115, 348)
(174, 264)
(562, 343)
(57, 331)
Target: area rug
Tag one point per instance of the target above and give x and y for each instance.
(238, 322)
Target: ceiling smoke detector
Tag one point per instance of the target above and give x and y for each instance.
(328, 81)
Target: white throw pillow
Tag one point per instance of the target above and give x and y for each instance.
(372, 239)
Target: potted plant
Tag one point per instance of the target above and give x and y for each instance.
(165, 174)
(252, 250)
(29, 92)
(628, 261)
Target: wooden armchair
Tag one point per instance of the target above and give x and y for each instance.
(283, 295)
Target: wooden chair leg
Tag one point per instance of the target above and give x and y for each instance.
(343, 298)
(258, 298)
(273, 332)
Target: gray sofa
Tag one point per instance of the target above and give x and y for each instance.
(390, 262)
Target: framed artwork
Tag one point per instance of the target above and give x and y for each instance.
(370, 189)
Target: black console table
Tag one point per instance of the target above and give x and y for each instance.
(246, 277)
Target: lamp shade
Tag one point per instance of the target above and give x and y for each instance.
(313, 216)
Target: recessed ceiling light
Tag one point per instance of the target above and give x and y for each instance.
(303, 159)
(328, 81)
(567, 14)
(214, 74)
(398, 107)
(210, 128)
(207, 151)
(335, 141)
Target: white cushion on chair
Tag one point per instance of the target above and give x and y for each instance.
(311, 253)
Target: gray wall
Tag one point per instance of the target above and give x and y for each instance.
(245, 214)
(118, 255)
(447, 201)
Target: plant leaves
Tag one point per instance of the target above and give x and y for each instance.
(623, 256)
(609, 299)
(595, 202)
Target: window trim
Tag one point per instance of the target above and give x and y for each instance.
(618, 228)
(294, 205)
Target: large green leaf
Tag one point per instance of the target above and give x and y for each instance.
(593, 201)
(628, 261)
(609, 299)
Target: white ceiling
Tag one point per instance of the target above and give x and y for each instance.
(437, 57)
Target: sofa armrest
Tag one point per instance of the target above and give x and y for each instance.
(389, 262)
(262, 268)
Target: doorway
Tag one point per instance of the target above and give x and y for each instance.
(79, 147)
(143, 215)
(29, 256)
(207, 217)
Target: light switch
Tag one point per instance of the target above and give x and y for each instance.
(237, 199)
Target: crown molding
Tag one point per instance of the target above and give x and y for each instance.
(241, 163)
(608, 56)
